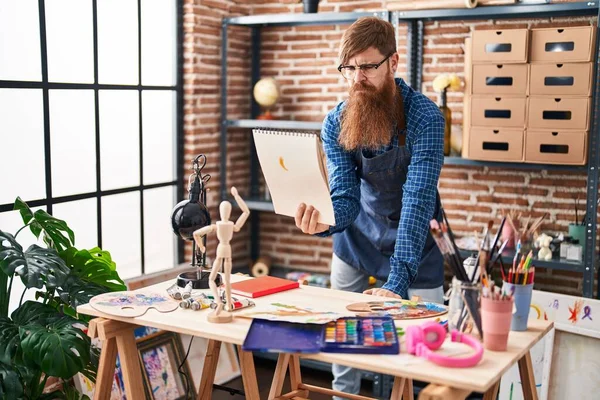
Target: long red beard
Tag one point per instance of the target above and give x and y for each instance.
(369, 116)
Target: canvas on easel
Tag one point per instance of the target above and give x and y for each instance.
(293, 165)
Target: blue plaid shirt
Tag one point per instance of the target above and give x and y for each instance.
(425, 143)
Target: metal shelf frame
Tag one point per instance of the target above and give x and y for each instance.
(415, 22)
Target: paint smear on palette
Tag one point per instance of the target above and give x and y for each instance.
(400, 309)
(138, 300)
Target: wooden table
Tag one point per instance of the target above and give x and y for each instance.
(116, 333)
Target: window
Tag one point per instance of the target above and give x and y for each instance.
(91, 122)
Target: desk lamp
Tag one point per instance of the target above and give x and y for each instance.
(190, 215)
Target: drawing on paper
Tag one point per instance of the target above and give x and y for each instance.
(291, 313)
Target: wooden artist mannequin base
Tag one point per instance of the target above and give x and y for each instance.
(222, 318)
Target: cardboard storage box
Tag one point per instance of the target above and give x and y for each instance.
(571, 79)
(558, 113)
(505, 111)
(574, 44)
(496, 144)
(500, 79)
(558, 147)
(500, 46)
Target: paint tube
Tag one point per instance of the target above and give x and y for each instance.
(173, 291)
(187, 291)
(200, 304)
(241, 303)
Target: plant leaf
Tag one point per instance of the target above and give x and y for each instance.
(93, 266)
(27, 216)
(58, 348)
(54, 230)
(10, 382)
(10, 344)
(34, 312)
(36, 266)
(76, 292)
(10, 249)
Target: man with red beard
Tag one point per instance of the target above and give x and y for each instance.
(384, 148)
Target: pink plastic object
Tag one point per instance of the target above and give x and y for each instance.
(422, 340)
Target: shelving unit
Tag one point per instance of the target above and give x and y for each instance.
(415, 22)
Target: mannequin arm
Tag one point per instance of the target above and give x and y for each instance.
(245, 210)
(198, 234)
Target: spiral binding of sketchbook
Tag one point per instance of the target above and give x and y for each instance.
(293, 164)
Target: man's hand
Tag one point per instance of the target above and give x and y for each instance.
(306, 219)
(382, 292)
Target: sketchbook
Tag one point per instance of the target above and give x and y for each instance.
(294, 167)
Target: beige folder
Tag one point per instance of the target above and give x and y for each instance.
(293, 164)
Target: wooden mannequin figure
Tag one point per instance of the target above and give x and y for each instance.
(225, 229)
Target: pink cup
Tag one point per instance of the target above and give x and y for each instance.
(495, 322)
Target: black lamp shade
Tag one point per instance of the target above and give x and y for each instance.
(187, 217)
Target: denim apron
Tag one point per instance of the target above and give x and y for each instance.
(368, 243)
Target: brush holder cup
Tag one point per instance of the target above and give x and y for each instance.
(496, 317)
(459, 315)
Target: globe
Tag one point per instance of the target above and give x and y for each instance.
(187, 217)
(266, 92)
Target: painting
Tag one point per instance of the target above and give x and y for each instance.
(560, 349)
(161, 356)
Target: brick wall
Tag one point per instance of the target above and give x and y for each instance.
(303, 60)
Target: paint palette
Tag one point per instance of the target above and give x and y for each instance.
(363, 335)
(132, 303)
(400, 309)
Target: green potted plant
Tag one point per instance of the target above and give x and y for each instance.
(45, 338)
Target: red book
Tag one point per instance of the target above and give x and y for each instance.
(262, 286)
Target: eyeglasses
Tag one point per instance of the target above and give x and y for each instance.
(368, 70)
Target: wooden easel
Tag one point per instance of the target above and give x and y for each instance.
(118, 337)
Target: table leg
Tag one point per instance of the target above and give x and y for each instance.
(438, 392)
(492, 393)
(117, 337)
(279, 375)
(130, 365)
(248, 374)
(210, 369)
(106, 369)
(398, 388)
(409, 393)
(527, 378)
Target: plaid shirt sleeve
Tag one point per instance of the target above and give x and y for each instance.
(344, 184)
(418, 202)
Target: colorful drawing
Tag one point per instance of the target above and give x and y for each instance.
(575, 311)
(400, 309)
(587, 313)
(291, 313)
(161, 373)
(538, 311)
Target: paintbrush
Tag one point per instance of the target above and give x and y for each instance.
(483, 251)
(453, 239)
